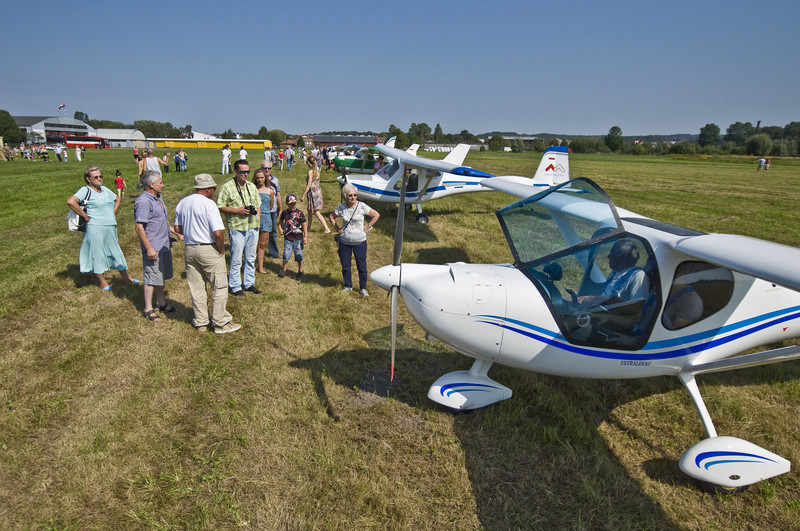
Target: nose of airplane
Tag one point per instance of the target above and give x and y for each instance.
(386, 276)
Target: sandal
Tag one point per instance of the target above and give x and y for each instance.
(167, 308)
(152, 316)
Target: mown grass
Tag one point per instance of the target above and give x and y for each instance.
(110, 421)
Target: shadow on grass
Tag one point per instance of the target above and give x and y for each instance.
(535, 461)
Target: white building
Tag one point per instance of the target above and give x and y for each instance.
(44, 126)
(129, 138)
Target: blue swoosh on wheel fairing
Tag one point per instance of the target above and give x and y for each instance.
(707, 455)
(557, 340)
(449, 388)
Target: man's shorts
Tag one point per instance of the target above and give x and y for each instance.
(293, 246)
(155, 272)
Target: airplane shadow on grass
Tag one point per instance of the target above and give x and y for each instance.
(525, 456)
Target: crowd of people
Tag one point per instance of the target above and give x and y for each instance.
(254, 216)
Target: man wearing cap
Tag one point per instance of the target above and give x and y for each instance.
(238, 199)
(198, 219)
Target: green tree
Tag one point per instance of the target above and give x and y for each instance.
(227, 133)
(82, 116)
(9, 129)
(276, 136)
(497, 143)
(759, 145)
(709, 135)
(438, 134)
(419, 133)
(614, 139)
(739, 132)
(263, 131)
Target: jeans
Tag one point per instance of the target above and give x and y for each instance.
(346, 252)
(273, 241)
(242, 242)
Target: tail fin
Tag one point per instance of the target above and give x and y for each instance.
(554, 168)
(413, 149)
(458, 154)
(390, 141)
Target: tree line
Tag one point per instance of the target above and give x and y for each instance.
(740, 138)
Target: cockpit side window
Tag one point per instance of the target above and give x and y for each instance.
(698, 290)
(604, 295)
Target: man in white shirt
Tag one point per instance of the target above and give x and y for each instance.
(226, 160)
(198, 219)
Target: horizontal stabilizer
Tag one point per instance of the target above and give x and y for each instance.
(769, 261)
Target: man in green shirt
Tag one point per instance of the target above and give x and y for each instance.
(238, 200)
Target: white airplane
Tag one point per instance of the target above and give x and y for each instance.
(433, 179)
(600, 292)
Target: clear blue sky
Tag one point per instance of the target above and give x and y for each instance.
(574, 67)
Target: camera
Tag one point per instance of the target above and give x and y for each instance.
(251, 210)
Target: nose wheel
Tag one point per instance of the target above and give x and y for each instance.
(422, 218)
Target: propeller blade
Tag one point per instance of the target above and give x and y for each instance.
(344, 175)
(398, 249)
(401, 213)
(393, 295)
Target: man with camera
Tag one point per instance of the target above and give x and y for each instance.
(238, 200)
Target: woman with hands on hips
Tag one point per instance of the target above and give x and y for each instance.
(352, 236)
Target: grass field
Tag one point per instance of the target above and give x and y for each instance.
(109, 421)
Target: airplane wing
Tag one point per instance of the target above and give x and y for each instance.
(515, 185)
(769, 261)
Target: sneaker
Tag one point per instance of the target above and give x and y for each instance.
(227, 327)
(364, 292)
(346, 289)
(300, 274)
(253, 289)
(282, 273)
(237, 293)
(204, 328)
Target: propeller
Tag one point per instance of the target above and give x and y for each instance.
(398, 248)
(344, 174)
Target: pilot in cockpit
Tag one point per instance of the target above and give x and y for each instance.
(626, 282)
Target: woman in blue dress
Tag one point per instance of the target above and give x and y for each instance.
(100, 249)
(266, 192)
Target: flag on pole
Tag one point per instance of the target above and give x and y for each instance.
(61, 107)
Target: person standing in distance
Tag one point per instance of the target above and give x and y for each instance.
(198, 219)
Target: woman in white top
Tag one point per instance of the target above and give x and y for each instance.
(352, 236)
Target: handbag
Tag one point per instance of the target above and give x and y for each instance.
(76, 223)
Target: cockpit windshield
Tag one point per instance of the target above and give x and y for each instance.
(557, 219)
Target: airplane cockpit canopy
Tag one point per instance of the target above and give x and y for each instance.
(558, 219)
(600, 282)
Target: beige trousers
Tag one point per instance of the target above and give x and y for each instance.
(204, 265)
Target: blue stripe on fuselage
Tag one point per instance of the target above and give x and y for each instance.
(678, 347)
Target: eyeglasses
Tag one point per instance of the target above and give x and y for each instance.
(243, 172)
(96, 176)
(352, 195)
